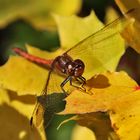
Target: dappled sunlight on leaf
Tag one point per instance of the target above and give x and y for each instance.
(17, 126)
(23, 104)
(4, 96)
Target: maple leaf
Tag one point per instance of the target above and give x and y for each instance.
(112, 108)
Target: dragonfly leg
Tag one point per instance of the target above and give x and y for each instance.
(82, 81)
(69, 78)
(73, 84)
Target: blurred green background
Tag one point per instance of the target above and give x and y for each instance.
(19, 32)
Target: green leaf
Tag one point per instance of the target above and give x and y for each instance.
(48, 106)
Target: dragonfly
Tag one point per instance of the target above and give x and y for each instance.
(72, 64)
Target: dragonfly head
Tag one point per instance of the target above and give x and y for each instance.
(79, 67)
(75, 68)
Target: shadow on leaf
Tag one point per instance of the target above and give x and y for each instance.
(98, 81)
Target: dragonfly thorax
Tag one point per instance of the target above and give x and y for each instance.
(67, 65)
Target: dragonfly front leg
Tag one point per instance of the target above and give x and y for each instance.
(82, 81)
(69, 78)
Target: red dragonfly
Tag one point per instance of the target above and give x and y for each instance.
(72, 63)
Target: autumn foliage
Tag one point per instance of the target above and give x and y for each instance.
(109, 109)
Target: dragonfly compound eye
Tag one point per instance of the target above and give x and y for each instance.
(78, 71)
(70, 68)
(79, 62)
(79, 68)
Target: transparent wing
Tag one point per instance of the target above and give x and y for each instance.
(102, 50)
(117, 24)
(37, 115)
(52, 85)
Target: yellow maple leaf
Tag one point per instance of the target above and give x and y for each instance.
(113, 107)
(83, 27)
